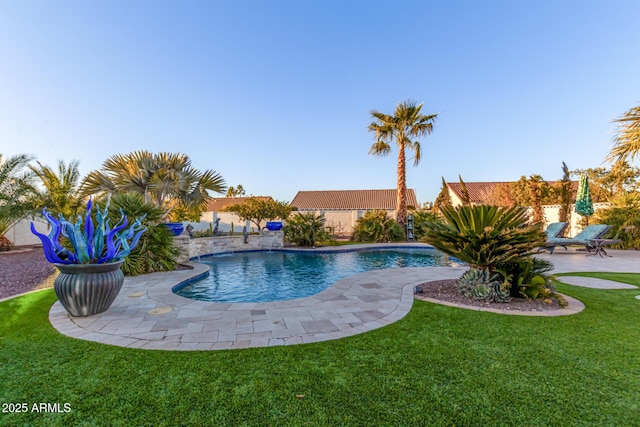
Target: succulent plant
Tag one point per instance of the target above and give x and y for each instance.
(483, 285)
(91, 243)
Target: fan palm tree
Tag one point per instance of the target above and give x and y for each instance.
(627, 141)
(167, 180)
(16, 191)
(404, 127)
(60, 192)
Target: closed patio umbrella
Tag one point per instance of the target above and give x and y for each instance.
(584, 204)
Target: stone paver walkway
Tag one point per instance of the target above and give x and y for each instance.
(146, 314)
(592, 282)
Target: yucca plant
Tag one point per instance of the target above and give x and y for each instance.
(483, 236)
(377, 226)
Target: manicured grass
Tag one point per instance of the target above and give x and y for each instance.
(438, 366)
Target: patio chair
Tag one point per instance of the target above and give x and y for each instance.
(590, 232)
(555, 229)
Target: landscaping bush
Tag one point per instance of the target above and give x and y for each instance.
(420, 219)
(527, 277)
(376, 226)
(305, 229)
(624, 218)
(155, 251)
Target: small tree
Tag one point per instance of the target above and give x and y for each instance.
(443, 199)
(60, 187)
(257, 210)
(17, 194)
(499, 195)
(464, 193)
(535, 195)
(566, 191)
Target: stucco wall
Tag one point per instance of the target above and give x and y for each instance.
(226, 219)
(21, 235)
(342, 221)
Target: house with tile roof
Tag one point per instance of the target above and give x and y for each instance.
(483, 193)
(342, 208)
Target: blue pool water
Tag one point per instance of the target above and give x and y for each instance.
(274, 276)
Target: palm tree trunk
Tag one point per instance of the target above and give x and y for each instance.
(401, 195)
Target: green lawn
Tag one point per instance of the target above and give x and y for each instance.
(438, 366)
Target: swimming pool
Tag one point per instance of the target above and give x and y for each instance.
(283, 275)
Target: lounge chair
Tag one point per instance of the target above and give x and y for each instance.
(555, 230)
(590, 232)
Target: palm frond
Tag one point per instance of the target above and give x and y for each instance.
(627, 140)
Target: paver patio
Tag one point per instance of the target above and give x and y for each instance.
(146, 314)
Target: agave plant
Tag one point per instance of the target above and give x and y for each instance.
(91, 243)
(483, 285)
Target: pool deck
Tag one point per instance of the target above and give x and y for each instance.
(148, 315)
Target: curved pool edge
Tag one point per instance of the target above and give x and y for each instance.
(324, 249)
(147, 315)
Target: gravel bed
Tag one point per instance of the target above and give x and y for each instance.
(23, 271)
(446, 290)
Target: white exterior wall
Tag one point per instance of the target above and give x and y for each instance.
(343, 220)
(21, 235)
(552, 212)
(226, 219)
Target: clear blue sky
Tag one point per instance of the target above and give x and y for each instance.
(275, 95)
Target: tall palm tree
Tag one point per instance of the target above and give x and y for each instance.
(16, 191)
(167, 180)
(627, 141)
(404, 127)
(60, 188)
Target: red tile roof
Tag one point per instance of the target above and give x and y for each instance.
(216, 204)
(480, 192)
(350, 199)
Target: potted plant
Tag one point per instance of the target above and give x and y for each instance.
(89, 263)
(274, 225)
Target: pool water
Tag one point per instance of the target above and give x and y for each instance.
(274, 276)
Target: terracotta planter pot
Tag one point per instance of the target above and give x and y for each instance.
(88, 289)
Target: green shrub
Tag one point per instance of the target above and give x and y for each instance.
(420, 219)
(527, 277)
(624, 218)
(305, 229)
(376, 226)
(484, 236)
(202, 233)
(155, 251)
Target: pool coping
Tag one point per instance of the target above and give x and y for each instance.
(148, 315)
(351, 306)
